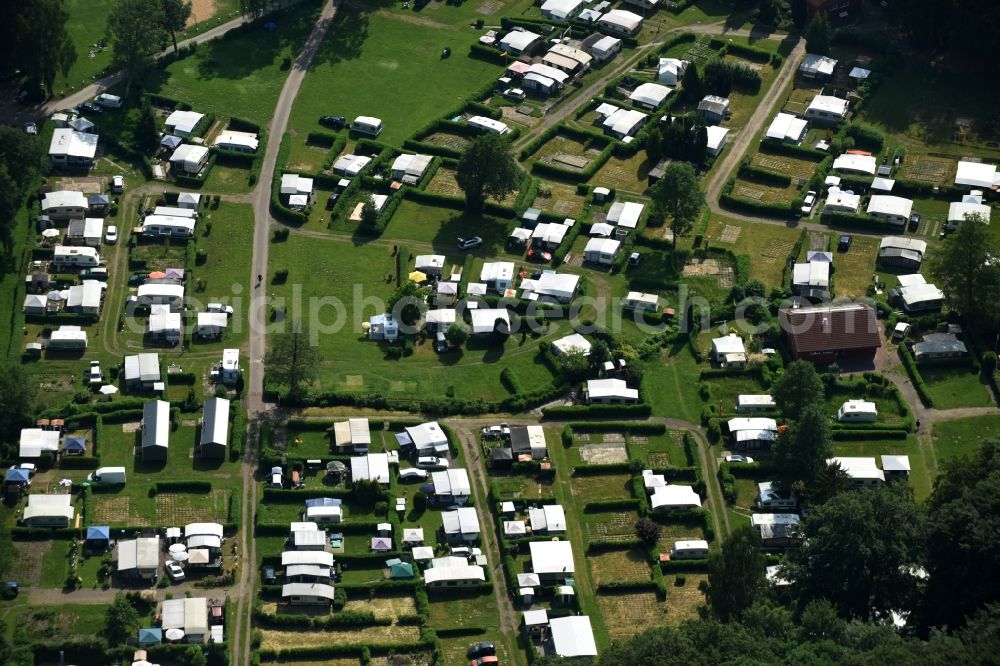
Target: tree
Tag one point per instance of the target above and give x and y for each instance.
(292, 363)
(797, 388)
(17, 401)
(858, 551)
(369, 213)
(252, 9)
(698, 152)
(736, 574)
(965, 269)
(408, 303)
(678, 195)
(457, 334)
(654, 145)
(175, 17)
(487, 169)
(818, 35)
(802, 450)
(43, 46)
(21, 157)
(574, 364)
(136, 30)
(367, 492)
(648, 531)
(963, 521)
(147, 136)
(691, 84)
(121, 621)
(194, 656)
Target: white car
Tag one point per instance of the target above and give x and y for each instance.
(95, 376)
(118, 184)
(809, 202)
(432, 462)
(111, 234)
(412, 474)
(219, 307)
(737, 458)
(515, 94)
(174, 570)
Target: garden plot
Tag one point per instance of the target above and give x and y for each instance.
(522, 488)
(710, 268)
(29, 561)
(699, 53)
(418, 659)
(560, 199)
(182, 508)
(799, 100)
(671, 532)
(627, 175)
(629, 613)
(608, 452)
(444, 182)
(611, 526)
(661, 451)
(447, 140)
(625, 566)
(390, 606)
(600, 487)
(761, 193)
(456, 610)
(683, 600)
(117, 510)
(566, 152)
(283, 640)
(927, 169)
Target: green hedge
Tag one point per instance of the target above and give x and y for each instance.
(641, 410)
(778, 147)
(79, 462)
(629, 427)
(751, 172)
(510, 381)
(182, 487)
(684, 566)
(848, 434)
(611, 505)
(915, 377)
(858, 221)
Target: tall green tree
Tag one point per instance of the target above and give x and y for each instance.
(121, 621)
(17, 401)
(137, 33)
(252, 9)
(818, 35)
(147, 135)
(175, 17)
(963, 528)
(369, 213)
(691, 85)
(736, 577)
(802, 450)
(679, 196)
(410, 299)
(487, 168)
(457, 334)
(43, 46)
(292, 363)
(859, 551)
(797, 388)
(967, 270)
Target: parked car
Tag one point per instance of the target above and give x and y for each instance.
(30, 467)
(737, 458)
(491, 432)
(901, 331)
(432, 462)
(515, 94)
(634, 259)
(440, 342)
(91, 107)
(539, 255)
(845, 243)
(95, 376)
(174, 571)
(469, 243)
(136, 279)
(481, 649)
(489, 660)
(914, 221)
(118, 184)
(809, 203)
(31, 128)
(333, 122)
(412, 474)
(269, 577)
(219, 307)
(111, 234)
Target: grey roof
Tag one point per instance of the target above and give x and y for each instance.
(940, 343)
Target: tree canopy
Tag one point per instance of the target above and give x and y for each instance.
(175, 16)
(679, 196)
(137, 33)
(818, 35)
(859, 551)
(487, 168)
(798, 387)
(42, 46)
(966, 269)
(17, 401)
(121, 621)
(408, 303)
(801, 452)
(292, 363)
(735, 574)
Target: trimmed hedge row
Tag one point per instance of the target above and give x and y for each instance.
(918, 381)
(751, 172)
(847, 434)
(642, 410)
(778, 147)
(628, 427)
(182, 487)
(611, 505)
(857, 221)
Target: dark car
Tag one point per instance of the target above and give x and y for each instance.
(914, 221)
(469, 243)
(539, 255)
(845, 243)
(91, 107)
(333, 122)
(483, 649)
(270, 578)
(332, 200)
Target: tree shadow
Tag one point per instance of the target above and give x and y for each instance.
(493, 231)
(344, 38)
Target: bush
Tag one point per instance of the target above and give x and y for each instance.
(918, 381)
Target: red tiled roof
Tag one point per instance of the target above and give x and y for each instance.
(830, 328)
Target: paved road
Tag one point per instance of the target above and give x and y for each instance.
(257, 409)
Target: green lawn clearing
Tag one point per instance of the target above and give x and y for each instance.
(952, 386)
(853, 269)
(963, 436)
(768, 245)
(920, 478)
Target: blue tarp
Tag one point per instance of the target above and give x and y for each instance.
(74, 444)
(170, 141)
(323, 501)
(17, 475)
(99, 533)
(150, 636)
(98, 199)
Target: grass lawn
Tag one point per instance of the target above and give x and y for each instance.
(403, 54)
(683, 600)
(441, 226)
(660, 451)
(460, 610)
(598, 488)
(619, 565)
(610, 526)
(353, 274)
(671, 384)
(516, 487)
(853, 269)
(626, 614)
(953, 386)
(55, 565)
(963, 436)
(226, 273)
(227, 179)
(625, 175)
(241, 73)
(767, 245)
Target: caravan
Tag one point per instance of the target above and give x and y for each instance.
(108, 475)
